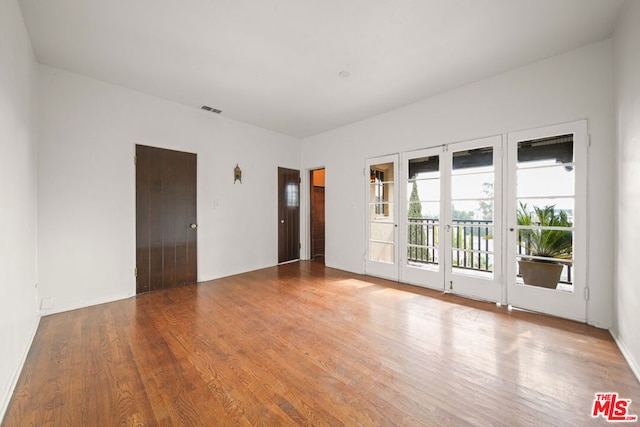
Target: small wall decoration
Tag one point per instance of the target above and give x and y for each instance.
(237, 174)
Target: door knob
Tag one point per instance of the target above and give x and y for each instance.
(194, 226)
(282, 221)
(447, 227)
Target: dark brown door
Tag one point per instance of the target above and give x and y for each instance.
(166, 237)
(288, 214)
(317, 213)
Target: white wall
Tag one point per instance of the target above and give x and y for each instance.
(627, 79)
(18, 197)
(572, 86)
(88, 130)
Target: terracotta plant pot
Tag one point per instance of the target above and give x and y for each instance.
(542, 274)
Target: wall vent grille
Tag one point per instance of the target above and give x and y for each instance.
(213, 110)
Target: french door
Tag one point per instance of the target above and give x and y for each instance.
(448, 226)
(381, 194)
(546, 211)
(452, 224)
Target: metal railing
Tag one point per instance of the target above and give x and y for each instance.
(471, 243)
(422, 240)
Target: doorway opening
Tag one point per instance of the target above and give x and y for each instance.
(441, 217)
(316, 212)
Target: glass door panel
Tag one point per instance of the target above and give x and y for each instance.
(422, 211)
(450, 233)
(546, 208)
(474, 227)
(382, 231)
(472, 183)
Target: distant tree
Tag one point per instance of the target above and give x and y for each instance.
(416, 233)
(486, 206)
(415, 207)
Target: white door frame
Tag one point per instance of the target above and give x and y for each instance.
(428, 276)
(571, 305)
(387, 223)
(442, 276)
(486, 288)
(504, 289)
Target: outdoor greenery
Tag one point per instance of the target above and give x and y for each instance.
(545, 243)
(461, 237)
(417, 235)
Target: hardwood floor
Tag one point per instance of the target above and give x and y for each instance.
(304, 344)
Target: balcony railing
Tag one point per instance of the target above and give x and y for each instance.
(472, 247)
(471, 244)
(422, 240)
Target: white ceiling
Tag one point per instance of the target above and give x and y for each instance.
(276, 63)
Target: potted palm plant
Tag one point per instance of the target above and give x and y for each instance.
(551, 245)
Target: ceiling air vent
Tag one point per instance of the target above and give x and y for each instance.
(213, 110)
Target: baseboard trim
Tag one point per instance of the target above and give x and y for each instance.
(16, 376)
(71, 307)
(633, 363)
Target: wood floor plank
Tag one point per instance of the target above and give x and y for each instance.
(301, 344)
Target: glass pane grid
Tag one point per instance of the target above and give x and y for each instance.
(472, 200)
(545, 183)
(472, 260)
(382, 252)
(422, 255)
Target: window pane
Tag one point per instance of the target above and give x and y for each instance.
(472, 210)
(381, 189)
(424, 189)
(430, 210)
(425, 167)
(552, 181)
(477, 160)
(291, 195)
(382, 231)
(380, 211)
(474, 186)
(545, 199)
(553, 150)
(381, 252)
(423, 257)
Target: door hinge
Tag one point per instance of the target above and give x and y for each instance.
(450, 284)
(588, 140)
(586, 294)
(299, 245)
(135, 160)
(135, 272)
